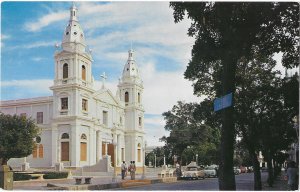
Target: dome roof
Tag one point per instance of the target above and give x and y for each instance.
(73, 38)
(130, 68)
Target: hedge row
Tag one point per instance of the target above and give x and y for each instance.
(47, 175)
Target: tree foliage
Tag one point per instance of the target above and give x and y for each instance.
(261, 116)
(17, 137)
(241, 30)
(229, 33)
(192, 132)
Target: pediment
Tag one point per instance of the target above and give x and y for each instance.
(106, 96)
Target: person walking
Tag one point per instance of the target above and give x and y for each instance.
(132, 170)
(123, 170)
(292, 176)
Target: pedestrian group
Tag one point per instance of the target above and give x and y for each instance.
(131, 168)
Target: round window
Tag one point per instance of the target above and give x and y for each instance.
(75, 33)
(67, 33)
(38, 139)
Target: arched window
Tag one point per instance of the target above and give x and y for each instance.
(83, 73)
(38, 149)
(65, 71)
(140, 121)
(65, 136)
(34, 152)
(41, 151)
(65, 147)
(126, 97)
(83, 136)
(139, 98)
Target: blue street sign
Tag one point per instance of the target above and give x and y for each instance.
(223, 102)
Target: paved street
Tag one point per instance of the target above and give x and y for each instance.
(244, 182)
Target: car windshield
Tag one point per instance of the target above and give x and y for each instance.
(192, 168)
(209, 168)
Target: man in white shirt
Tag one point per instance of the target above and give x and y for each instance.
(123, 169)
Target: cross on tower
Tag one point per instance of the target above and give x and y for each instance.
(104, 77)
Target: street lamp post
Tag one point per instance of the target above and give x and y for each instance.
(155, 160)
(114, 179)
(197, 159)
(144, 151)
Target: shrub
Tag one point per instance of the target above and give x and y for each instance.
(55, 175)
(21, 176)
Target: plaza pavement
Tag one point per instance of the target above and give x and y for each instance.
(105, 182)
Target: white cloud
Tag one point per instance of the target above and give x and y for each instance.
(37, 58)
(20, 89)
(157, 121)
(26, 83)
(40, 44)
(46, 20)
(4, 37)
(143, 23)
(164, 89)
(37, 44)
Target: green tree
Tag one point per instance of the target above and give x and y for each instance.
(17, 137)
(259, 97)
(225, 33)
(191, 133)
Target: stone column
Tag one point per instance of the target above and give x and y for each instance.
(98, 145)
(105, 148)
(118, 150)
(25, 165)
(58, 165)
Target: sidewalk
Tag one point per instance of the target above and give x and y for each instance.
(279, 185)
(97, 183)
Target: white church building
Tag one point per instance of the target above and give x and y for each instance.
(80, 126)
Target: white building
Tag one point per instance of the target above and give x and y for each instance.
(79, 124)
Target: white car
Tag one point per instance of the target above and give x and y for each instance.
(210, 171)
(193, 172)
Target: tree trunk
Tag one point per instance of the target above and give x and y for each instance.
(256, 168)
(270, 170)
(227, 177)
(3, 161)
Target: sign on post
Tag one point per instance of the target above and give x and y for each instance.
(223, 102)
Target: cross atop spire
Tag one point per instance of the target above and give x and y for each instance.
(73, 12)
(104, 77)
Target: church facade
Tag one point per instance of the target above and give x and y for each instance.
(79, 124)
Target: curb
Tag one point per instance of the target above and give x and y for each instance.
(126, 184)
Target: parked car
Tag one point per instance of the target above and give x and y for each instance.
(250, 169)
(243, 169)
(210, 171)
(264, 169)
(193, 171)
(236, 170)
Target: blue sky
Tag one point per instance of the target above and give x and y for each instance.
(29, 31)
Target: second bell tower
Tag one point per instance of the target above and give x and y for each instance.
(130, 91)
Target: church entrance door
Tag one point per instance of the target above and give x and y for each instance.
(110, 152)
(65, 151)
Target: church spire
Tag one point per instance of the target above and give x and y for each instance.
(73, 38)
(130, 70)
(73, 13)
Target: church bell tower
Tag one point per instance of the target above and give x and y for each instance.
(72, 95)
(130, 90)
(73, 77)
